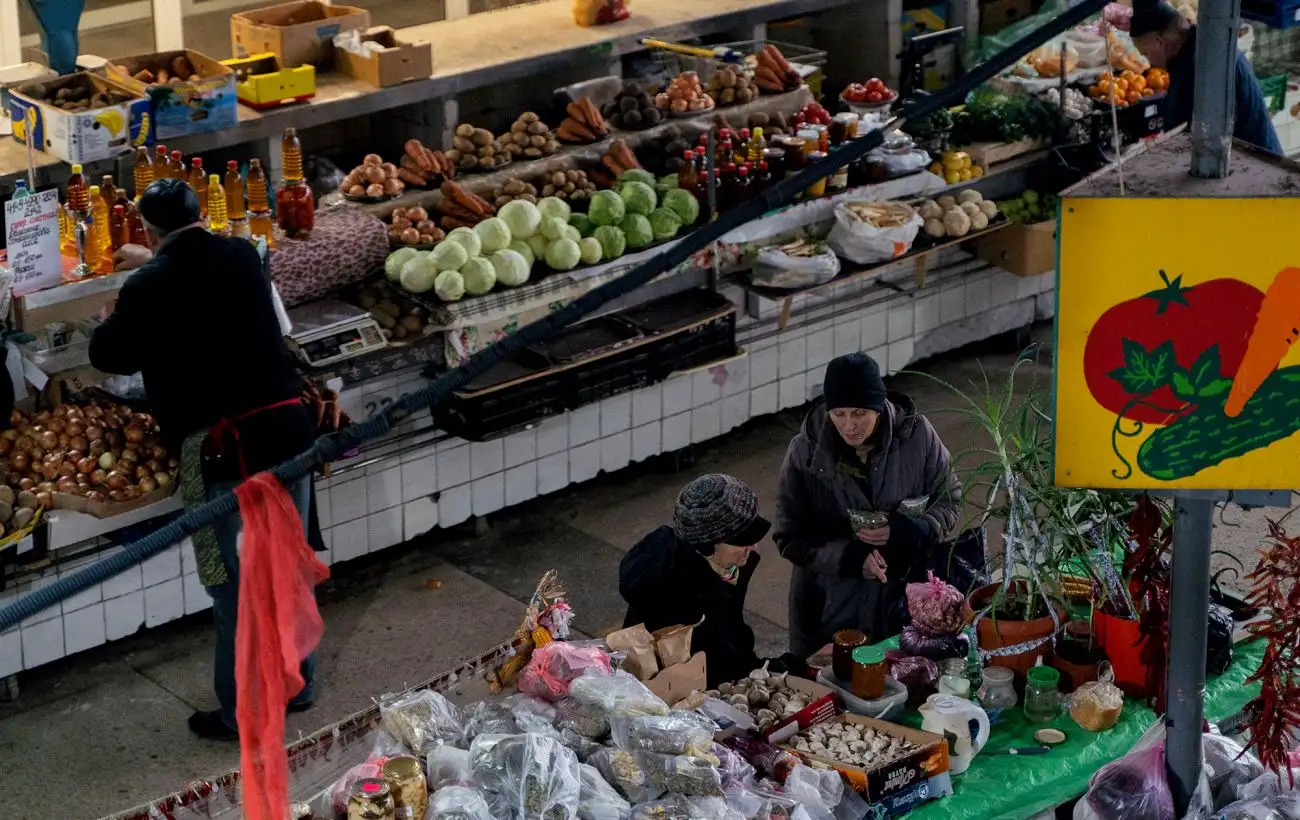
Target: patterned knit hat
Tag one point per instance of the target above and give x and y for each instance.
(719, 509)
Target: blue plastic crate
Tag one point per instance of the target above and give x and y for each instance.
(1279, 15)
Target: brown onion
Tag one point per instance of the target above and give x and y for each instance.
(75, 412)
(135, 434)
(107, 461)
(5, 445)
(129, 454)
(24, 443)
(96, 497)
(148, 485)
(143, 472)
(173, 463)
(78, 443)
(74, 456)
(58, 424)
(99, 477)
(15, 418)
(46, 487)
(59, 412)
(75, 427)
(112, 422)
(20, 461)
(154, 465)
(50, 470)
(94, 431)
(66, 484)
(164, 479)
(83, 480)
(45, 500)
(86, 466)
(114, 439)
(116, 495)
(67, 468)
(97, 448)
(158, 452)
(48, 439)
(94, 411)
(130, 493)
(26, 483)
(116, 480)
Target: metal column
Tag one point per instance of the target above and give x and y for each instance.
(1213, 112)
(1214, 103)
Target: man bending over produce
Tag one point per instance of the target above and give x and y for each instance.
(198, 320)
(1168, 40)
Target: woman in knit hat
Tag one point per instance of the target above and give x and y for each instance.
(861, 449)
(697, 571)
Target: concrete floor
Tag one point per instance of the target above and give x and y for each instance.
(113, 720)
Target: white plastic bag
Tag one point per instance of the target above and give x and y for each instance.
(775, 269)
(864, 243)
(448, 766)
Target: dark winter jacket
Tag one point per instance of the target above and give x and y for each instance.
(199, 323)
(1253, 122)
(821, 480)
(665, 583)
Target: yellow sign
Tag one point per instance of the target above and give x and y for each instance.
(1177, 356)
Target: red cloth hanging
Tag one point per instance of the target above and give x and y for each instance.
(278, 626)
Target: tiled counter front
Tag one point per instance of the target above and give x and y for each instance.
(422, 480)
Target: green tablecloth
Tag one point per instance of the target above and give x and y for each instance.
(1010, 787)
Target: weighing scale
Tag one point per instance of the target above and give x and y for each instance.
(331, 331)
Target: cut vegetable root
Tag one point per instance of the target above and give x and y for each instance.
(882, 214)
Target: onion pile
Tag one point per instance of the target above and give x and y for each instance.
(100, 452)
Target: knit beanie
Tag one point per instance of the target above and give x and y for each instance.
(718, 509)
(854, 380)
(169, 205)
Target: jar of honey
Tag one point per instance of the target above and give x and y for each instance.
(868, 673)
(818, 188)
(844, 127)
(843, 644)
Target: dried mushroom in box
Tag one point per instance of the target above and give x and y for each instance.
(851, 743)
(764, 696)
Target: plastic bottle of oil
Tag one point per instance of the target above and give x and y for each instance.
(119, 230)
(144, 171)
(135, 225)
(199, 182)
(234, 185)
(108, 191)
(78, 192)
(260, 222)
(757, 145)
(217, 220)
(178, 167)
(67, 232)
(162, 163)
(99, 242)
(295, 207)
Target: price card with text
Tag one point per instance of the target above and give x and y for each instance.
(32, 238)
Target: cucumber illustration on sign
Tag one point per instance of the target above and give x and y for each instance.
(1200, 361)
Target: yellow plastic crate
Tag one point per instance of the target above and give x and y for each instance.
(261, 82)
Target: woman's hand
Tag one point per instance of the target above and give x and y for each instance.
(129, 257)
(874, 568)
(876, 538)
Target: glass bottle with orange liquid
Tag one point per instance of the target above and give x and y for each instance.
(199, 182)
(260, 222)
(235, 213)
(217, 220)
(295, 206)
(143, 173)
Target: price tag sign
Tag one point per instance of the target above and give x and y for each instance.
(32, 237)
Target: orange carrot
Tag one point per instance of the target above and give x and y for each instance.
(1277, 327)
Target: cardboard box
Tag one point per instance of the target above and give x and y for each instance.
(998, 14)
(81, 136)
(393, 64)
(823, 705)
(880, 783)
(1025, 250)
(676, 682)
(297, 33)
(182, 106)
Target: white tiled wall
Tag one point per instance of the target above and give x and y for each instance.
(443, 484)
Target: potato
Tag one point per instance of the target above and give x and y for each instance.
(374, 190)
(529, 117)
(465, 130)
(537, 128)
(412, 323)
(372, 159)
(532, 153)
(519, 127)
(390, 307)
(482, 136)
(410, 236)
(463, 145)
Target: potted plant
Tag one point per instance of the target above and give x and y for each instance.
(1050, 533)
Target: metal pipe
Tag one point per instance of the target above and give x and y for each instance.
(1214, 103)
(1189, 608)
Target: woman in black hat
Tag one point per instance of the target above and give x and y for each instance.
(697, 571)
(862, 449)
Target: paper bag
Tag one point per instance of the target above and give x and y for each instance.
(639, 647)
(673, 644)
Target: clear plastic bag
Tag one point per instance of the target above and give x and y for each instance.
(624, 772)
(936, 606)
(1230, 767)
(685, 807)
(448, 766)
(586, 719)
(421, 721)
(683, 774)
(553, 667)
(917, 674)
(458, 803)
(485, 718)
(342, 787)
(1278, 807)
(1131, 788)
(535, 777)
(774, 268)
(583, 747)
(674, 734)
(533, 715)
(735, 769)
(1270, 784)
(918, 641)
(599, 800)
(620, 695)
(819, 791)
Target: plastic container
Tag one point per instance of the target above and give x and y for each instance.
(889, 707)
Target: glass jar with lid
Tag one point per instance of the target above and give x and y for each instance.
(952, 678)
(868, 672)
(1042, 695)
(998, 691)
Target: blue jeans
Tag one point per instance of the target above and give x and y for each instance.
(225, 604)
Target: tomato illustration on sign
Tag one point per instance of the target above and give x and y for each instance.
(1148, 359)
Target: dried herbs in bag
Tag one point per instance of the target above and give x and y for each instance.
(619, 694)
(599, 800)
(586, 719)
(534, 777)
(458, 803)
(622, 771)
(674, 734)
(422, 721)
(485, 718)
(683, 774)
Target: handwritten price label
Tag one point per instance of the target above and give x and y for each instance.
(32, 236)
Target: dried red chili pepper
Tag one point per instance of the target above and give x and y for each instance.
(1275, 589)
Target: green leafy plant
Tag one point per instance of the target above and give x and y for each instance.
(993, 116)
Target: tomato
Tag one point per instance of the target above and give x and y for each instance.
(856, 92)
(1170, 348)
(875, 84)
(874, 96)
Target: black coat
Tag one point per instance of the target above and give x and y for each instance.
(198, 322)
(666, 583)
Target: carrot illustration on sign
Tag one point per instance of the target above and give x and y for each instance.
(1201, 362)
